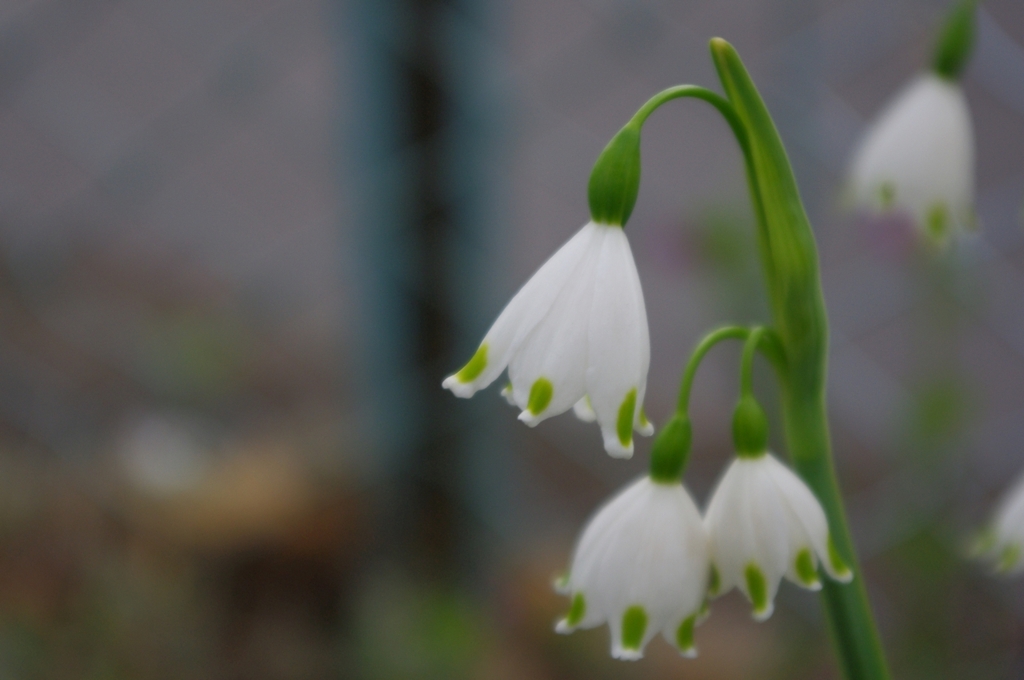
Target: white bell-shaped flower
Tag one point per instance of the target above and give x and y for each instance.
(918, 158)
(642, 566)
(1003, 542)
(574, 335)
(764, 523)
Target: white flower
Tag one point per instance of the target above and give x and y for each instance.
(642, 566)
(918, 158)
(574, 335)
(764, 523)
(1003, 542)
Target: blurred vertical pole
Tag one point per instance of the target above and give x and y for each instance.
(418, 158)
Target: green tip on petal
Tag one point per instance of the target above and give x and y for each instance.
(714, 580)
(474, 367)
(540, 396)
(624, 425)
(805, 570)
(684, 636)
(615, 179)
(634, 624)
(757, 590)
(838, 564)
(577, 610)
(956, 41)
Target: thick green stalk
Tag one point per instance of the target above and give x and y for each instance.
(790, 262)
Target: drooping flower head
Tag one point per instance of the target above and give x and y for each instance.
(917, 158)
(764, 523)
(641, 565)
(575, 335)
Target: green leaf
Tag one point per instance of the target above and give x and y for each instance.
(785, 238)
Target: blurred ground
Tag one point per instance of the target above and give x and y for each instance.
(223, 453)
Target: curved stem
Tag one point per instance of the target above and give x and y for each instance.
(767, 341)
(696, 92)
(739, 131)
(747, 361)
(702, 348)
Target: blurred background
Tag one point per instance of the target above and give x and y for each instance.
(243, 241)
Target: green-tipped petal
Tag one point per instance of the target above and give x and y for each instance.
(805, 569)
(757, 591)
(634, 626)
(714, 580)
(577, 610)
(624, 424)
(840, 571)
(684, 637)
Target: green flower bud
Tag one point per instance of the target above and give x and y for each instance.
(749, 428)
(615, 179)
(953, 48)
(671, 450)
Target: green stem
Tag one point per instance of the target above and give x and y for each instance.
(702, 348)
(696, 92)
(790, 260)
(850, 622)
(767, 341)
(747, 361)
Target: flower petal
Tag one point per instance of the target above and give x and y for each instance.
(806, 514)
(584, 411)
(556, 349)
(521, 315)
(619, 347)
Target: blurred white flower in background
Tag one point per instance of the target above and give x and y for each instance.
(917, 159)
